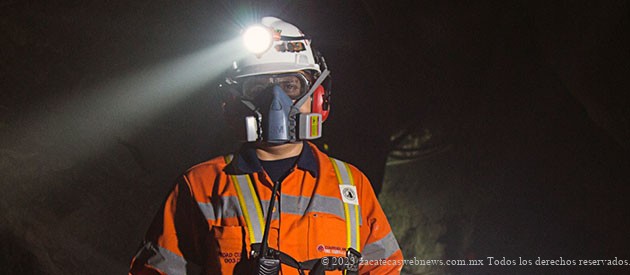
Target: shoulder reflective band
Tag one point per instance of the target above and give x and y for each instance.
(344, 177)
(250, 205)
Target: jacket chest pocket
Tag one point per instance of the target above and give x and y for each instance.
(326, 235)
(227, 251)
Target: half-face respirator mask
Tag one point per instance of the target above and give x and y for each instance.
(275, 101)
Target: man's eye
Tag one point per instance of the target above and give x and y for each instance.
(290, 86)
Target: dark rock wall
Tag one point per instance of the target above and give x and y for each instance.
(521, 161)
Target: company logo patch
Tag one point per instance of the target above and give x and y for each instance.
(331, 249)
(349, 194)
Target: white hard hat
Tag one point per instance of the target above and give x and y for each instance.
(289, 50)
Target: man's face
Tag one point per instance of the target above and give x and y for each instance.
(306, 107)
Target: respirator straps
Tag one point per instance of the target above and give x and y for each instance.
(319, 81)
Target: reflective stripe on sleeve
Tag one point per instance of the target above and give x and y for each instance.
(166, 261)
(381, 249)
(351, 211)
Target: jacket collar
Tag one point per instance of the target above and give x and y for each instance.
(246, 161)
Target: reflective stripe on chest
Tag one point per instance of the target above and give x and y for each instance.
(350, 202)
(253, 215)
(250, 205)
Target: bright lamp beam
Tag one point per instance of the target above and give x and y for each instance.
(257, 39)
(94, 120)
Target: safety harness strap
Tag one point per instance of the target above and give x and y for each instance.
(250, 205)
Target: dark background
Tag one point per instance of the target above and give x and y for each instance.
(103, 105)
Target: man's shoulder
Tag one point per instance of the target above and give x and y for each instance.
(327, 164)
(215, 166)
(325, 157)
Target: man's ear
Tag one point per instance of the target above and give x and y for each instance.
(320, 102)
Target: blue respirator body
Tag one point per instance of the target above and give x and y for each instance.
(277, 119)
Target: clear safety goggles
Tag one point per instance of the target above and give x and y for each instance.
(295, 85)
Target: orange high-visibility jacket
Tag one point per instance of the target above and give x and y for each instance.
(211, 217)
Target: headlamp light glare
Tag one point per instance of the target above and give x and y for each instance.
(257, 39)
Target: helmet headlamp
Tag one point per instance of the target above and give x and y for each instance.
(258, 39)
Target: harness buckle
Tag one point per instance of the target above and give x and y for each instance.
(354, 259)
